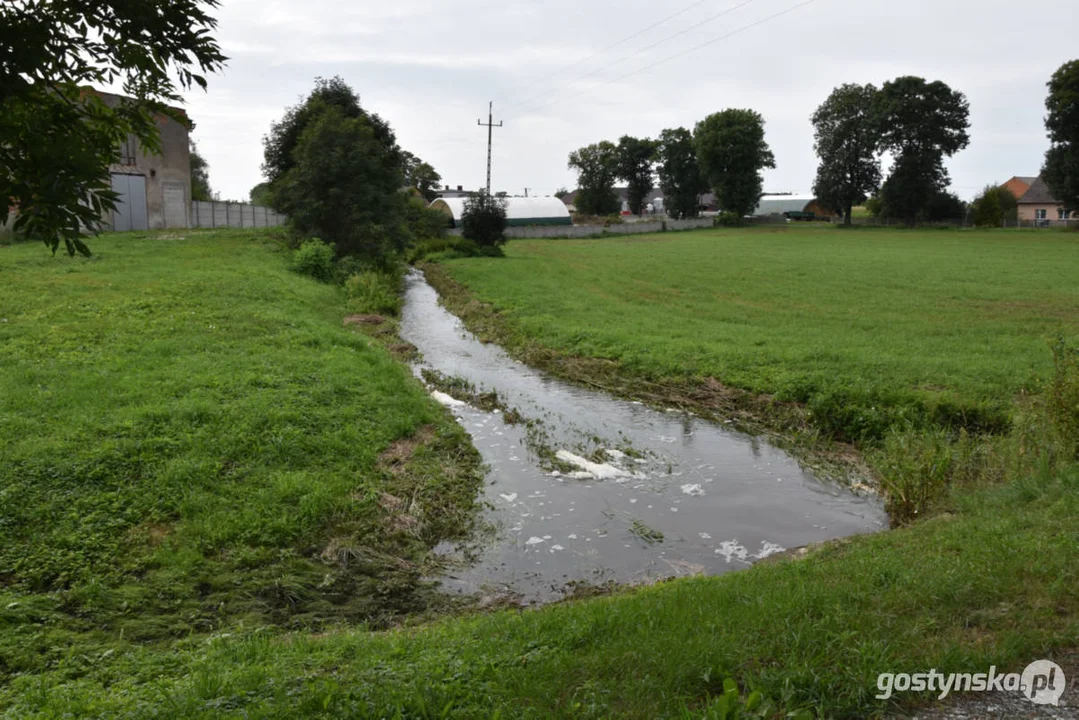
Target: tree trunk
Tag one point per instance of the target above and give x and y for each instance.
(847, 215)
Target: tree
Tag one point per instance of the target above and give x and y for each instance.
(421, 176)
(635, 163)
(200, 175)
(483, 221)
(280, 144)
(732, 152)
(344, 186)
(1061, 171)
(847, 137)
(921, 124)
(597, 167)
(679, 173)
(260, 195)
(57, 136)
(994, 206)
(561, 193)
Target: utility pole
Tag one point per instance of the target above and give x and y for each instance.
(526, 192)
(490, 125)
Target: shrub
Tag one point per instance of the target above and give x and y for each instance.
(993, 207)
(1063, 397)
(423, 222)
(915, 468)
(729, 219)
(374, 293)
(314, 258)
(348, 266)
(484, 220)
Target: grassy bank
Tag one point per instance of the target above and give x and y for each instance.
(192, 441)
(989, 580)
(993, 582)
(868, 330)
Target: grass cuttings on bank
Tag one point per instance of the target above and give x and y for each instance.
(192, 441)
(866, 331)
(991, 583)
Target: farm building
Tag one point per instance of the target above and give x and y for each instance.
(787, 204)
(519, 211)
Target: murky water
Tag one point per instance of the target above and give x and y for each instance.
(690, 497)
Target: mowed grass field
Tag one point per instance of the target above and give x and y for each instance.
(191, 441)
(870, 328)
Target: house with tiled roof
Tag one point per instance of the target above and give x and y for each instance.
(1036, 202)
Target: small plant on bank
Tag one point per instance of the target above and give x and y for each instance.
(483, 222)
(314, 258)
(1063, 397)
(374, 292)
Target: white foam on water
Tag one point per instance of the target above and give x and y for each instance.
(705, 536)
(510, 497)
(534, 540)
(768, 549)
(733, 550)
(692, 489)
(600, 471)
(446, 399)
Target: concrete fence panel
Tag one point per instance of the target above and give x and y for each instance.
(213, 214)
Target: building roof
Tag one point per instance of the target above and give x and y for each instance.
(1038, 194)
(517, 208)
(707, 199)
(779, 204)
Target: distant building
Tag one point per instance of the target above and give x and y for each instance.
(519, 211)
(449, 192)
(1036, 202)
(708, 200)
(155, 189)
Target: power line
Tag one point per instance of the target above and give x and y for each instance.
(612, 47)
(622, 59)
(682, 53)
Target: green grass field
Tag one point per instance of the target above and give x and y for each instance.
(194, 479)
(191, 441)
(868, 328)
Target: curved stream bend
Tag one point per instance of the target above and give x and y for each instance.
(689, 497)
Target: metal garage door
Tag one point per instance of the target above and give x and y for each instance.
(130, 213)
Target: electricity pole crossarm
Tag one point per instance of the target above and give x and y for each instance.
(490, 125)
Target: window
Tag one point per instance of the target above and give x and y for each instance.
(1040, 214)
(1061, 215)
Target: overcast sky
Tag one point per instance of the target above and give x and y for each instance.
(430, 68)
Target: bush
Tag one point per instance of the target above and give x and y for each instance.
(1063, 402)
(729, 219)
(993, 207)
(423, 222)
(314, 258)
(373, 292)
(484, 220)
(915, 468)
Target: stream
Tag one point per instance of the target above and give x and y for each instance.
(597, 489)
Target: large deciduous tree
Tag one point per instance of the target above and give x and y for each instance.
(847, 139)
(921, 124)
(636, 166)
(679, 173)
(1061, 171)
(421, 176)
(597, 167)
(732, 152)
(344, 185)
(57, 137)
(280, 144)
